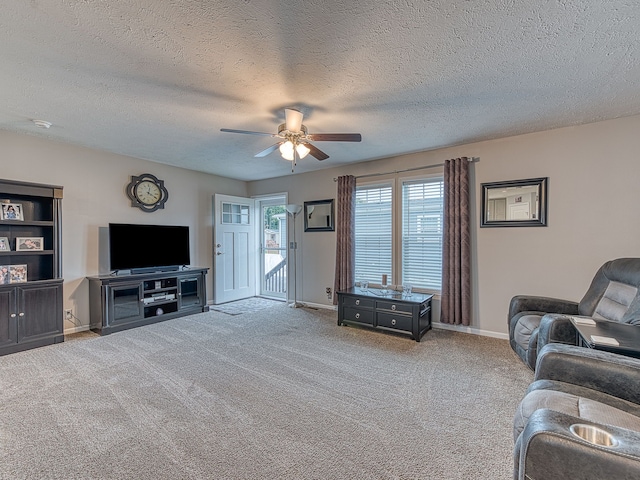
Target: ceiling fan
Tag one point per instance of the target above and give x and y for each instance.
(295, 139)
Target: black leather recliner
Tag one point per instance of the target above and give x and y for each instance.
(614, 294)
(580, 418)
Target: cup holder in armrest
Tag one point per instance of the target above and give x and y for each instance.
(594, 435)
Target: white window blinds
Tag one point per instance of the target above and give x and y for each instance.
(422, 224)
(373, 230)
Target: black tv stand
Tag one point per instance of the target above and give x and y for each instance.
(120, 302)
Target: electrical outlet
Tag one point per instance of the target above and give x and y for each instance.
(328, 292)
(68, 314)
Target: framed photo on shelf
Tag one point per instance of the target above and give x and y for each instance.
(12, 211)
(5, 246)
(17, 273)
(4, 275)
(29, 243)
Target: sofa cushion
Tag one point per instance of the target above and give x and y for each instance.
(579, 407)
(525, 325)
(615, 301)
(610, 278)
(585, 392)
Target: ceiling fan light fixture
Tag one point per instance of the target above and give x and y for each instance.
(286, 150)
(302, 150)
(293, 119)
(295, 142)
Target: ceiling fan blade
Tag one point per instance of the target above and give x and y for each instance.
(316, 152)
(335, 137)
(293, 119)
(230, 130)
(269, 150)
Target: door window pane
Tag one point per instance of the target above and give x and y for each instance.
(235, 213)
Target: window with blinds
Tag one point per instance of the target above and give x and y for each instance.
(422, 224)
(421, 211)
(374, 232)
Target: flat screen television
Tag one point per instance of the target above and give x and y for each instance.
(148, 247)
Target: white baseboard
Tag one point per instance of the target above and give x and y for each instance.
(444, 326)
(319, 305)
(78, 329)
(472, 330)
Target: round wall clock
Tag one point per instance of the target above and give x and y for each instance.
(147, 192)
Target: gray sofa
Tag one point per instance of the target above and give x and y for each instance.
(597, 393)
(614, 294)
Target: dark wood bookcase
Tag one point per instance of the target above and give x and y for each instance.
(31, 304)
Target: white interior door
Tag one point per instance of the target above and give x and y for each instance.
(234, 252)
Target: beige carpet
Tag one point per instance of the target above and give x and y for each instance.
(277, 394)
(247, 305)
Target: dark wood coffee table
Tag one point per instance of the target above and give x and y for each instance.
(389, 311)
(627, 336)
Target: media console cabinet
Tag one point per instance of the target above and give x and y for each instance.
(392, 311)
(120, 302)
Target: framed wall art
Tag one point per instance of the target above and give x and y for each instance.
(318, 216)
(515, 203)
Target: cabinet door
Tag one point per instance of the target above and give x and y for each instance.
(125, 303)
(8, 318)
(190, 292)
(39, 312)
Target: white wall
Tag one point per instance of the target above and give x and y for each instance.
(94, 195)
(592, 169)
(593, 174)
(316, 250)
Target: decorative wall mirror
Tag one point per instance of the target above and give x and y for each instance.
(318, 216)
(516, 203)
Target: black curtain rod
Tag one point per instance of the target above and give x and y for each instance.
(471, 159)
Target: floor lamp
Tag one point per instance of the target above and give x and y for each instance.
(293, 211)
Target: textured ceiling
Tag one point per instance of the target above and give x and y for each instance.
(157, 79)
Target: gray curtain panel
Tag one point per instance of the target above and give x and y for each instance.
(345, 235)
(456, 249)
